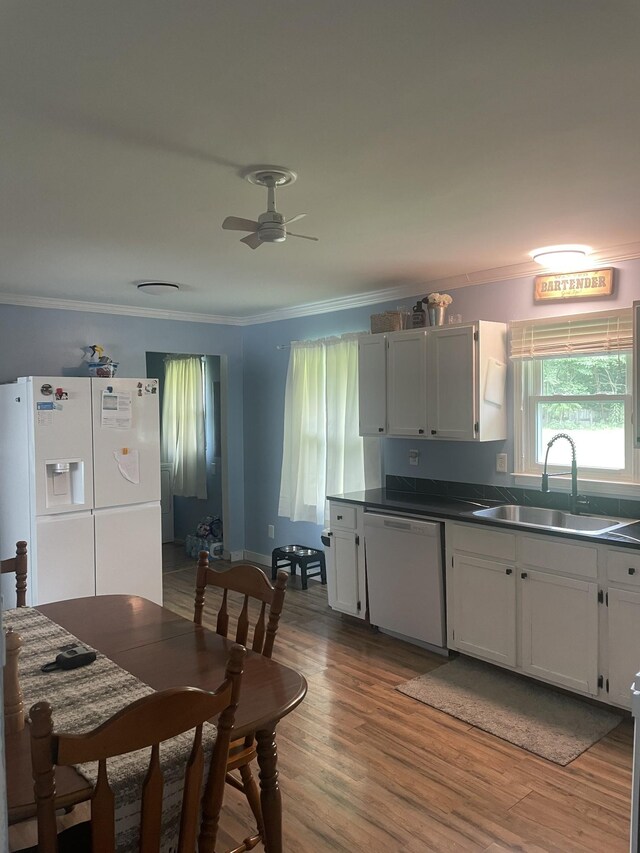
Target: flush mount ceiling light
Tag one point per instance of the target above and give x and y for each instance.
(157, 288)
(567, 257)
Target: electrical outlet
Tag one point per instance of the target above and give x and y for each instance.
(271, 531)
(501, 463)
(414, 457)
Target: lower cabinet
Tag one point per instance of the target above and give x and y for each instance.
(505, 609)
(559, 630)
(484, 609)
(623, 637)
(345, 560)
(343, 588)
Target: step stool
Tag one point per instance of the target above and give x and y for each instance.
(308, 559)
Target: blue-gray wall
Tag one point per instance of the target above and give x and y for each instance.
(50, 342)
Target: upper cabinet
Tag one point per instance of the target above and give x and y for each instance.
(372, 384)
(466, 376)
(636, 373)
(446, 382)
(406, 383)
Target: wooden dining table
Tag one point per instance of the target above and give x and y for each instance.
(163, 650)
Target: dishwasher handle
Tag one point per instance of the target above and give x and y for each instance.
(375, 521)
(397, 524)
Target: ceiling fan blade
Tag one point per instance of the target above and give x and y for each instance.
(295, 218)
(234, 223)
(304, 236)
(253, 241)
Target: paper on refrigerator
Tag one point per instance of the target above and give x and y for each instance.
(129, 464)
(116, 411)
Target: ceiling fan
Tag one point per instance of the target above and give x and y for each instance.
(271, 226)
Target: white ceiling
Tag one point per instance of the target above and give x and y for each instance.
(431, 139)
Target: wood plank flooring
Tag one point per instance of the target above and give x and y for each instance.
(365, 768)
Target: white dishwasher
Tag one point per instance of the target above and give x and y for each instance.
(405, 577)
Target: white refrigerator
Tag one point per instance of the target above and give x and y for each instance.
(80, 481)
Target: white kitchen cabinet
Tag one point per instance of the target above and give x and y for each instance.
(406, 383)
(466, 375)
(444, 382)
(512, 600)
(559, 630)
(345, 560)
(483, 617)
(622, 610)
(623, 643)
(372, 384)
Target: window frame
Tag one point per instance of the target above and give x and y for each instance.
(528, 381)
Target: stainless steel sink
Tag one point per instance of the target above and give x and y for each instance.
(552, 519)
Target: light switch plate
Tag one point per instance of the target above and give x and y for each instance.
(501, 463)
(271, 531)
(414, 457)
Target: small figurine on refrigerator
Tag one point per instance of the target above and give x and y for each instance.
(95, 353)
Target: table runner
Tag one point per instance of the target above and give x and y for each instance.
(84, 698)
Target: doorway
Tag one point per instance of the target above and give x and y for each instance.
(182, 517)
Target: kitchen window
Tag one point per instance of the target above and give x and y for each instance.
(574, 375)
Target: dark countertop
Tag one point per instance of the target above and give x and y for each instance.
(459, 509)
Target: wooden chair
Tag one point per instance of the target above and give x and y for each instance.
(18, 564)
(146, 722)
(251, 582)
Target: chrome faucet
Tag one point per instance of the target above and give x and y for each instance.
(576, 503)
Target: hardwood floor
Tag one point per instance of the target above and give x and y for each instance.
(365, 768)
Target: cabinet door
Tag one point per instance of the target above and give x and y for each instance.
(484, 609)
(343, 587)
(451, 383)
(406, 383)
(372, 384)
(559, 631)
(624, 643)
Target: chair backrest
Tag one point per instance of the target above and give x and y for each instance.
(18, 564)
(251, 582)
(144, 723)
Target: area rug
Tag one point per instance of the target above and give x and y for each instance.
(518, 710)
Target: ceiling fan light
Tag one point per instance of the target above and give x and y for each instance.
(566, 257)
(157, 288)
(272, 235)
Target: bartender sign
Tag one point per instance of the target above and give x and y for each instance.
(573, 285)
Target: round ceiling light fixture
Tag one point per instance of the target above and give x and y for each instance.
(570, 256)
(157, 288)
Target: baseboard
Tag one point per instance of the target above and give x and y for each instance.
(255, 557)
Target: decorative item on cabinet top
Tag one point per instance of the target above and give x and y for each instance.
(388, 321)
(437, 304)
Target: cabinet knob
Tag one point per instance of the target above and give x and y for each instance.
(523, 575)
(380, 429)
(508, 571)
(434, 432)
(339, 517)
(420, 431)
(632, 571)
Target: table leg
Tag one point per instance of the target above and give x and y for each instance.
(270, 798)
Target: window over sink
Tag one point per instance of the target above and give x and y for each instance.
(574, 375)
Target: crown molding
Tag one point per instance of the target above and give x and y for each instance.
(614, 254)
(121, 310)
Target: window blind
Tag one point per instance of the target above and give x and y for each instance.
(601, 331)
